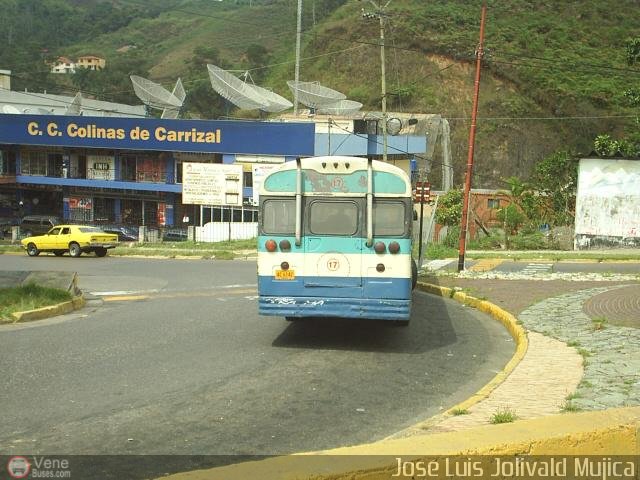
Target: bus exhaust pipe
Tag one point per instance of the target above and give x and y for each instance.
(369, 204)
(298, 202)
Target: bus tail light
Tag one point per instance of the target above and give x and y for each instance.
(379, 247)
(394, 247)
(271, 245)
(285, 245)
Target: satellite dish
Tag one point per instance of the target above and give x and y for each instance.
(154, 95)
(75, 107)
(341, 107)
(314, 95)
(394, 125)
(10, 109)
(180, 94)
(241, 94)
(37, 111)
(275, 102)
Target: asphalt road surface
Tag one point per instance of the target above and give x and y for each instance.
(174, 359)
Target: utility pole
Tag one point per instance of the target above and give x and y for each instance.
(380, 14)
(297, 75)
(472, 138)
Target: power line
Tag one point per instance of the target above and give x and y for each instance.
(421, 157)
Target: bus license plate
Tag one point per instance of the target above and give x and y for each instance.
(285, 275)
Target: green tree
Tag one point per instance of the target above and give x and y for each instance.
(449, 210)
(258, 58)
(556, 179)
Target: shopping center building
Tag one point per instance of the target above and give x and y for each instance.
(108, 163)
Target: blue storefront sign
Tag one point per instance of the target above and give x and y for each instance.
(211, 136)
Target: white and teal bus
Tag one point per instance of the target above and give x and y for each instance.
(334, 240)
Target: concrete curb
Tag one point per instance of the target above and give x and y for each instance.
(601, 434)
(75, 303)
(510, 322)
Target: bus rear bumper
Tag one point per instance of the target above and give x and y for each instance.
(378, 309)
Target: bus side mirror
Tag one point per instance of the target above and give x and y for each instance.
(415, 215)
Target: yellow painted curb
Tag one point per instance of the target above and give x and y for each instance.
(51, 311)
(599, 434)
(508, 320)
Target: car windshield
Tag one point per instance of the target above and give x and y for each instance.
(90, 230)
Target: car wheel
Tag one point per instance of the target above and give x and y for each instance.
(74, 250)
(100, 252)
(58, 253)
(32, 250)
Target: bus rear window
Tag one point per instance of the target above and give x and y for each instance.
(388, 219)
(279, 216)
(333, 218)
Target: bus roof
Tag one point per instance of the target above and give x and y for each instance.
(337, 175)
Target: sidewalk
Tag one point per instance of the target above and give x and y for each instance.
(576, 360)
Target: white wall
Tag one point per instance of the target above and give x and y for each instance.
(608, 200)
(221, 231)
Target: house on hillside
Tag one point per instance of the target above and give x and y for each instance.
(63, 65)
(66, 65)
(91, 62)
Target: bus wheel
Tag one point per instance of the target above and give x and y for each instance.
(414, 274)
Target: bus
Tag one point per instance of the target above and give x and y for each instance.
(335, 240)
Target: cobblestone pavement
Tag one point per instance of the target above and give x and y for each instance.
(611, 353)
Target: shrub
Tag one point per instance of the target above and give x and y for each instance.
(530, 241)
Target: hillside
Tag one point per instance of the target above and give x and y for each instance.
(554, 75)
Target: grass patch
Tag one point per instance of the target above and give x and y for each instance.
(569, 406)
(437, 251)
(573, 396)
(217, 250)
(586, 384)
(573, 343)
(504, 415)
(459, 411)
(599, 323)
(584, 352)
(29, 297)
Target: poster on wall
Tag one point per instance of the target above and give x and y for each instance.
(608, 198)
(151, 170)
(161, 214)
(259, 174)
(212, 184)
(77, 203)
(101, 167)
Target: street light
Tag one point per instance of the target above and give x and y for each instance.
(380, 14)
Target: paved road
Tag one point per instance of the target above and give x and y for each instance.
(175, 360)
